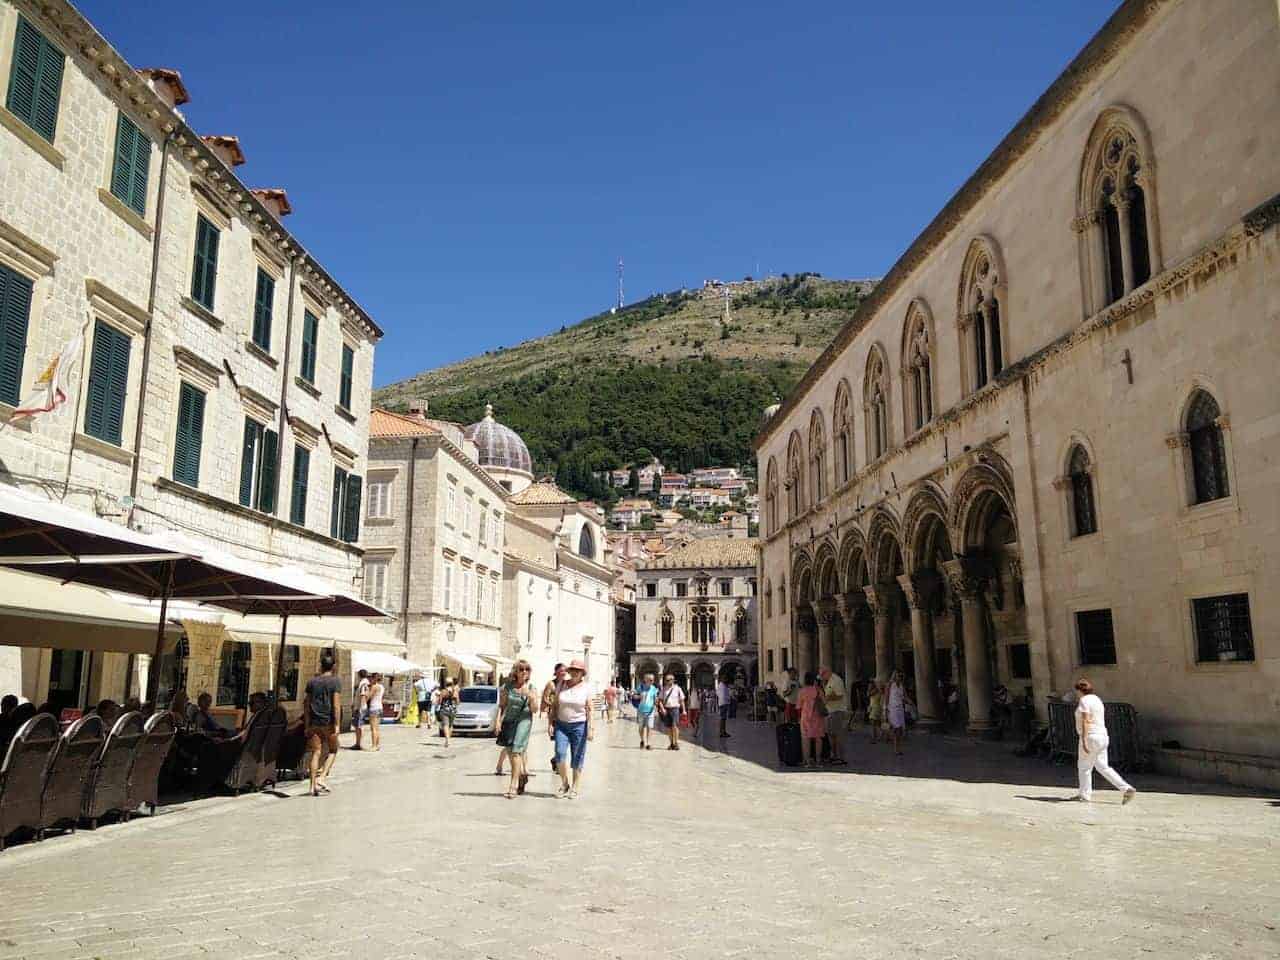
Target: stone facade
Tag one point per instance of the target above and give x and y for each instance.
(93, 260)
(697, 614)
(452, 602)
(1042, 446)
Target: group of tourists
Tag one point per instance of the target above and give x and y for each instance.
(438, 702)
(670, 705)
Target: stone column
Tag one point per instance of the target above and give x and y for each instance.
(804, 640)
(921, 590)
(825, 612)
(847, 605)
(989, 334)
(880, 600)
(966, 578)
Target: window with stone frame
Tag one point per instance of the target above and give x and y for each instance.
(1207, 448)
(650, 590)
(1223, 628)
(1118, 219)
(795, 477)
(982, 315)
(1096, 636)
(681, 588)
(740, 628)
(917, 369)
(1084, 515)
(817, 458)
(771, 497)
(842, 435)
(666, 626)
(876, 405)
(768, 599)
(375, 581)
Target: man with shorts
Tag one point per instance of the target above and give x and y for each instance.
(423, 687)
(646, 700)
(672, 697)
(549, 693)
(836, 696)
(321, 711)
(359, 705)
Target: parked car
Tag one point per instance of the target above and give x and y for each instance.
(477, 710)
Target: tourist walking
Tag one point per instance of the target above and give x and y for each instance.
(423, 688)
(611, 699)
(895, 708)
(875, 708)
(813, 718)
(548, 704)
(321, 713)
(695, 707)
(447, 708)
(672, 699)
(645, 699)
(724, 696)
(1091, 726)
(516, 706)
(359, 703)
(374, 710)
(571, 727)
(836, 696)
(791, 696)
(772, 702)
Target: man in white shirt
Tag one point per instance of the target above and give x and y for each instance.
(423, 687)
(671, 700)
(1091, 725)
(836, 696)
(724, 696)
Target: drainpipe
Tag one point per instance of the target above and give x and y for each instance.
(146, 336)
(284, 379)
(408, 546)
(1035, 513)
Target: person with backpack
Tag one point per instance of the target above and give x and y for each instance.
(645, 699)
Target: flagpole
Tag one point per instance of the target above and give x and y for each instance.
(75, 419)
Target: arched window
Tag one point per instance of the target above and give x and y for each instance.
(768, 599)
(795, 477)
(666, 624)
(876, 404)
(586, 543)
(1084, 517)
(740, 627)
(842, 435)
(702, 625)
(982, 292)
(917, 368)
(1208, 451)
(771, 496)
(817, 458)
(782, 596)
(1115, 211)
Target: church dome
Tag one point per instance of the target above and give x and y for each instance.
(499, 446)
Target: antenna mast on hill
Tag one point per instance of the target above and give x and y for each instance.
(620, 301)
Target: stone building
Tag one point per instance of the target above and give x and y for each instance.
(434, 534)
(696, 613)
(1044, 444)
(225, 376)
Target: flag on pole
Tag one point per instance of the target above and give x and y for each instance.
(50, 389)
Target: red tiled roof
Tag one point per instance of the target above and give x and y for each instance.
(384, 423)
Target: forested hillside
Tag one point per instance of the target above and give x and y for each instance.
(669, 375)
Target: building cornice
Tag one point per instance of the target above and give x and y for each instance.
(131, 90)
(441, 441)
(1106, 44)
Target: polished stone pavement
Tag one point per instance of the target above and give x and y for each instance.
(954, 850)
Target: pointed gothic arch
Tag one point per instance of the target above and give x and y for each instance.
(842, 434)
(982, 311)
(918, 401)
(875, 403)
(796, 494)
(817, 458)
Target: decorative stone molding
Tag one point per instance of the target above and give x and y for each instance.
(195, 368)
(258, 406)
(880, 599)
(1061, 483)
(921, 589)
(849, 605)
(23, 132)
(23, 254)
(303, 432)
(115, 308)
(967, 578)
(1179, 440)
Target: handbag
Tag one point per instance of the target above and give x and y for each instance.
(820, 705)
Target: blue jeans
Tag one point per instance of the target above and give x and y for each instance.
(571, 740)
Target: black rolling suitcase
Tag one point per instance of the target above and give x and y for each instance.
(789, 750)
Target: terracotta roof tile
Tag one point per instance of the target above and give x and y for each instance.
(711, 552)
(541, 493)
(384, 423)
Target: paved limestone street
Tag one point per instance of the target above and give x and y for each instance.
(956, 850)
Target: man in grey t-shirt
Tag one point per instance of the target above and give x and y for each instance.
(321, 713)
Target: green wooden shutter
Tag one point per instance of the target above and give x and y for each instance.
(15, 313)
(301, 470)
(252, 436)
(310, 334)
(268, 468)
(335, 510)
(108, 384)
(130, 166)
(351, 522)
(35, 83)
(204, 271)
(344, 386)
(262, 302)
(187, 441)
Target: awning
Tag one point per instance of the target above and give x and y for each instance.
(377, 661)
(349, 632)
(467, 661)
(39, 612)
(501, 664)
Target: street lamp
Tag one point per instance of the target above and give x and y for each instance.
(451, 633)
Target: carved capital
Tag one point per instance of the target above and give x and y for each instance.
(1223, 422)
(1061, 483)
(1176, 440)
(1015, 568)
(825, 612)
(921, 589)
(1082, 224)
(967, 577)
(879, 599)
(850, 605)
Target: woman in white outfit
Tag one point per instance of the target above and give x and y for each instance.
(1092, 727)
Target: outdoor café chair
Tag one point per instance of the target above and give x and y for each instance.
(22, 775)
(108, 786)
(277, 721)
(153, 748)
(68, 771)
(244, 771)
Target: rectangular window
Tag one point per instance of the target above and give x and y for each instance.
(726, 588)
(467, 502)
(379, 500)
(375, 582)
(15, 314)
(651, 590)
(108, 383)
(785, 658)
(497, 531)
(484, 524)
(310, 341)
(447, 588)
(1224, 631)
(130, 165)
(682, 588)
(479, 596)
(450, 503)
(204, 269)
(344, 384)
(344, 513)
(258, 467)
(263, 301)
(189, 436)
(1097, 637)
(1020, 659)
(35, 83)
(298, 496)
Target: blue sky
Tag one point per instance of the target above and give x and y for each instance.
(471, 172)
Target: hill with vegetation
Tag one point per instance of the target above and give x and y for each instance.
(671, 376)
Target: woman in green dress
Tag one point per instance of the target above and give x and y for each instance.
(515, 720)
